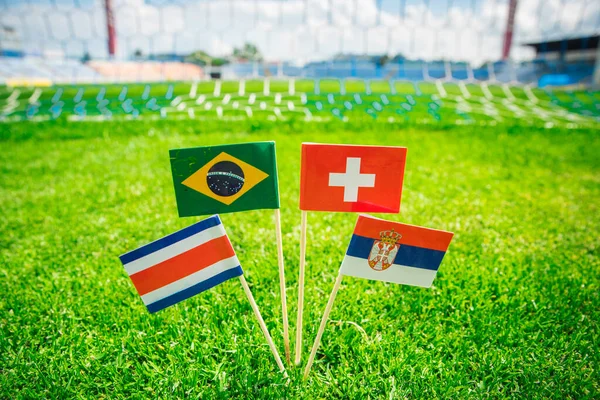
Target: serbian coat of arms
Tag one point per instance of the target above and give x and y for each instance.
(383, 253)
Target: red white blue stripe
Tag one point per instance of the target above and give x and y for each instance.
(182, 264)
(418, 258)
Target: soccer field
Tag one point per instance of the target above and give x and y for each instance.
(513, 312)
(439, 102)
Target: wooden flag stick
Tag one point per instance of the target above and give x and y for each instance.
(261, 322)
(313, 352)
(301, 288)
(286, 325)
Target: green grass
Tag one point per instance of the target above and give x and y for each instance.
(322, 100)
(513, 312)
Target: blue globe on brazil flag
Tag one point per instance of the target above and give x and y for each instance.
(225, 178)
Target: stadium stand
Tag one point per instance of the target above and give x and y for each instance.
(146, 71)
(37, 68)
(30, 69)
(540, 72)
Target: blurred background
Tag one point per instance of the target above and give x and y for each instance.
(532, 42)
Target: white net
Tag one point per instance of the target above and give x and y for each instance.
(424, 61)
(72, 40)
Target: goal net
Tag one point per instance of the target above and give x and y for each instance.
(489, 59)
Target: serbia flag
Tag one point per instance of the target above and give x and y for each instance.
(350, 178)
(394, 252)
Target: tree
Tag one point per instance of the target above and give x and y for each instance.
(380, 61)
(218, 61)
(248, 52)
(398, 58)
(198, 57)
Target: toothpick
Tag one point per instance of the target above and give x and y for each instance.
(286, 325)
(301, 288)
(261, 322)
(313, 352)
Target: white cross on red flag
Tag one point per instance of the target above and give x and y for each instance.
(349, 178)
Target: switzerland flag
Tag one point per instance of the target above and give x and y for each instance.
(350, 178)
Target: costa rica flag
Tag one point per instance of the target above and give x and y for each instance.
(182, 264)
(351, 178)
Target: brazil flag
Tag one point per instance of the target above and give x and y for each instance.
(226, 178)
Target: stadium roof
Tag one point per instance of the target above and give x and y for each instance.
(566, 43)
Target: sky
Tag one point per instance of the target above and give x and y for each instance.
(294, 30)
